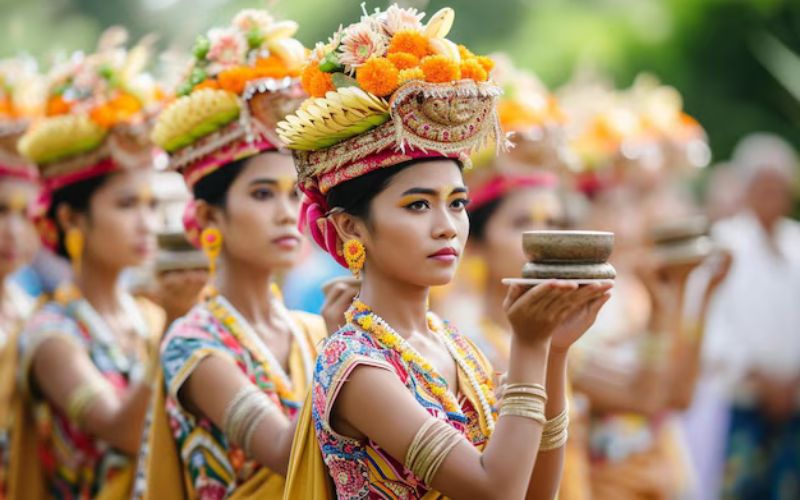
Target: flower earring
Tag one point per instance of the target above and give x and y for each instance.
(355, 254)
(211, 243)
(73, 244)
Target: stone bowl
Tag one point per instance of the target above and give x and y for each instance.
(536, 270)
(567, 247)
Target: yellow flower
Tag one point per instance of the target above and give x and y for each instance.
(406, 75)
(471, 69)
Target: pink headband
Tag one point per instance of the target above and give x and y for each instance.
(22, 173)
(499, 185)
(46, 226)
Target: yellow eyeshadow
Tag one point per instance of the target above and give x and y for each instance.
(409, 199)
(286, 184)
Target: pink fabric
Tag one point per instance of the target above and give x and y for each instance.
(312, 216)
(501, 184)
(223, 156)
(190, 224)
(25, 173)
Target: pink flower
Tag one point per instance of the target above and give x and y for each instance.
(398, 19)
(359, 43)
(228, 47)
(250, 19)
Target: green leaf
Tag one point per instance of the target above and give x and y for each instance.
(201, 47)
(330, 63)
(341, 80)
(254, 38)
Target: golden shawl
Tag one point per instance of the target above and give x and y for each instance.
(308, 476)
(161, 469)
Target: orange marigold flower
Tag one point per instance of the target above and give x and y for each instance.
(236, 78)
(56, 105)
(406, 75)
(486, 62)
(103, 115)
(314, 81)
(209, 83)
(473, 70)
(403, 60)
(410, 41)
(440, 69)
(125, 104)
(465, 52)
(377, 76)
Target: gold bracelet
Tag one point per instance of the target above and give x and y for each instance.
(430, 446)
(82, 399)
(532, 389)
(555, 432)
(243, 413)
(525, 400)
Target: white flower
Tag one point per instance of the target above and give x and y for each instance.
(250, 19)
(398, 19)
(228, 46)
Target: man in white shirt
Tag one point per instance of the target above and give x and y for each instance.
(753, 330)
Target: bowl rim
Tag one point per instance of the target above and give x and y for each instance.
(577, 232)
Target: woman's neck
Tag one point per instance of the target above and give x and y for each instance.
(402, 305)
(247, 289)
(493, 304)
(99, 286)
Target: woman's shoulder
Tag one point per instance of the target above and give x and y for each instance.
(348, 347)
(53, 317)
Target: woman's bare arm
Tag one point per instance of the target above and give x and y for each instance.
(60, 367)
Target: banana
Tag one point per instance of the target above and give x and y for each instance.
(440, 23)
(446, 48)
(281, 29)
(289, 50)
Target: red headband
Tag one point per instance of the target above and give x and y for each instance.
(499, 185)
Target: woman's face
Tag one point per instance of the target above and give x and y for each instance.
(525, 209)
(418, 225)
(120, 227)
(17, 235)
(259, 223)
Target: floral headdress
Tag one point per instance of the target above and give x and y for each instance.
(21, 102)
(530, 114)
(386, 90)
(96, 118)
(243, 79)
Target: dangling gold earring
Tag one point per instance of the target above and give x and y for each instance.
(211, 243)
(73, 244)
(355, 254)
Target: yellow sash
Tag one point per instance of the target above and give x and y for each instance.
(308, 475)
(164, 473)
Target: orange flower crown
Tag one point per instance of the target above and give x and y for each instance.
(643, 126)
(242, 80)
(96, 113)
(388, 89)
(21, 103)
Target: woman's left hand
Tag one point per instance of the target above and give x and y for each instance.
(576, 324)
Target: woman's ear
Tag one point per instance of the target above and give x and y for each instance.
(206, 214)
(348, 227)
(67, 218)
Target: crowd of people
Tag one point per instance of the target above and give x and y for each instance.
(321, 311)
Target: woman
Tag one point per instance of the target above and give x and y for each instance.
(402, 405)
(519, 191)
(237, 366)
(18, 188)
(87, 356)
(640, 360)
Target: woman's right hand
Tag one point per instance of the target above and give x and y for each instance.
(535, 313)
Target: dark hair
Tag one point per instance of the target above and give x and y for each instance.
(480, 217)
(77, 196)
(213, 188)
(356, 195)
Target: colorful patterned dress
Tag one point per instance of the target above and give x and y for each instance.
(22, 306)
(212, 466)
(76, 464)
(360, 468)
